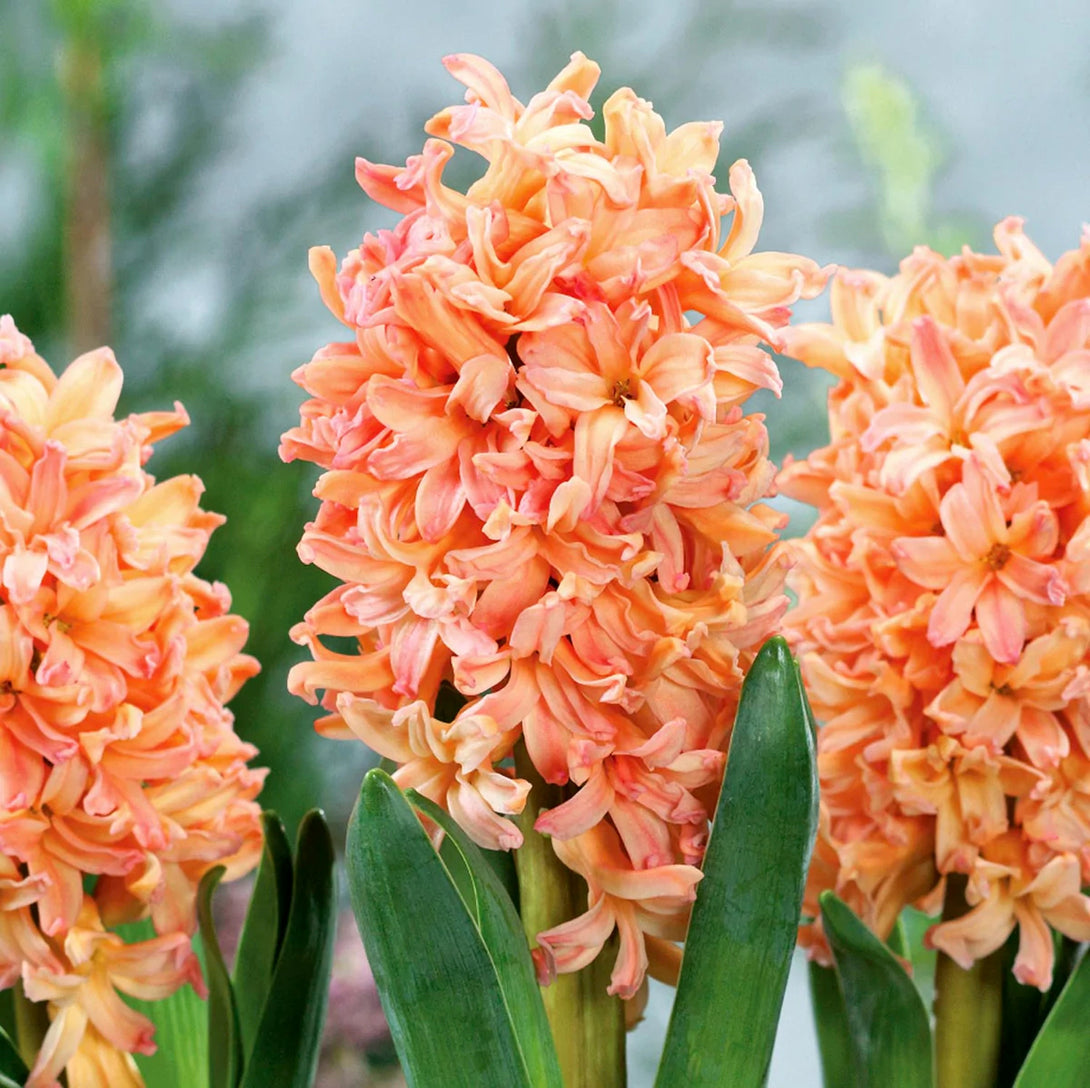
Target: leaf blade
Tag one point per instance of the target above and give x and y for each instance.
(506, 945)
(224, 1044)
(887, 1021)
(288, 1039)
(263, 931)
(748, 905)
(1060, 1054)
(434, 976)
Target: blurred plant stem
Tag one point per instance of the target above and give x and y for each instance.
(588, 1024)
(968, 1009)
(87, 249)
(31, 1024)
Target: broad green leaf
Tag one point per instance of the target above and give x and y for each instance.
(831, 1021)
(889, 1026)
(1060, 1056)
(286, 1047)
(181, 1027)
(13, 1069)
(493, 912)
(224, 1042)
(746, 915)
(263, 931)
(436, 975)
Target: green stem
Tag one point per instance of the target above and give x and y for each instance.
(968, 1010)
(31, 1024)
(588, 1025)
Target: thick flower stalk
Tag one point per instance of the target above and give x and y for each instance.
(540, 489)
(944, 595)
(121, 778)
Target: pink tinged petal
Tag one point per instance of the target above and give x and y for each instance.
(646, 836)
(1069, 330)
(478, 820)
(481, 386)
(904, 424)
(502, 599)
(580, 391)
(61, 1040)
(401, 406)
(117, 644)
(973, 522)
(503, 794)
(1001, 617)
(631, 964)
(23, 572)
(323, 267)
(664, 881)
(953, 609)
(1032, 581)
(596, 437)
(484, 84)
(1044, 739)
(70, 563)
(384, 185)
(664, 746)
(646, 412)
(411, 648)
(966, 526)
(979, 932)
(748, 212)
(1033, 964)
(929, 561)
(96, 500)
(90, 387)
(938, 375)
(571, 945)
(568, 503)
(580, 812)
(48, 491)
(677, 364)
(410, 454)
(539, 628)
(547, 743)
(362, 672)
(440, 499)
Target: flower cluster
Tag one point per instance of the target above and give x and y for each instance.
(121, 779)
(540, 488)
(944, 594)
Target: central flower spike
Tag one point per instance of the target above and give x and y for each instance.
(540, 488)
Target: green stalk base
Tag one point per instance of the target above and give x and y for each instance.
(588, 1024)
(968, 1010)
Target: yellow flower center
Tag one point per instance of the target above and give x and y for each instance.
(997, 557)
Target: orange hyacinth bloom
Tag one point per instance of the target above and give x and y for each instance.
(121, 778)
(944, 602)
(540, 489)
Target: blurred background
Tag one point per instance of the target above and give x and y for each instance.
(164, 167)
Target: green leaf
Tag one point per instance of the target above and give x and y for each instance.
(438, 979)
(889, 1026)
(181, 1026)
(1060, 1055)
(831, 1021)
(263, 931)
(493, 911)
(746, 915)
(288, 1040)
(224, 1042)
(12, 1067)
